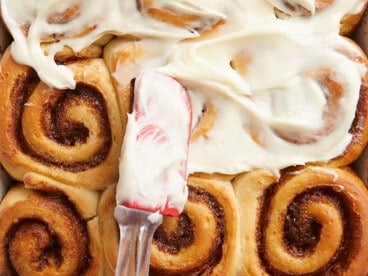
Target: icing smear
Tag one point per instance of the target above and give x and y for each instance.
(153, 165)
(286, 115)
(77, 24)
(265, 81)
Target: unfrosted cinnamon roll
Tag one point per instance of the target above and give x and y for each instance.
(311, 221)
(202, 240)
(73, 136)
(49, 228)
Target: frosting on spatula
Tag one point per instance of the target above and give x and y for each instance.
(155, 149)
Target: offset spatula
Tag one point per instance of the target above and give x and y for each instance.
(153, 166)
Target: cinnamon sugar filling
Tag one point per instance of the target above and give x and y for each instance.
(182, 236)
(302, 230)
(34, 241)
(57, 126)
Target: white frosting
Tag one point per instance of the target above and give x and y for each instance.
(153, 161)
(292, 5)
(277, 95)
(109, 16)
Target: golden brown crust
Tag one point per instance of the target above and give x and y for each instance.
(325, 77)
(204, 238)
(312, 221)
(348, 23)
(108, 228)
(70, 135)
(49, 228)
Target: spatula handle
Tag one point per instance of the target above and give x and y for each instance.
(136, 232)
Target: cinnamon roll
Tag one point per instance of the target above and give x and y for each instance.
(49, 228)
(184, 14)
(301, 104)
(349, 13)
(311, 221)
(203, 239)
(71, 135)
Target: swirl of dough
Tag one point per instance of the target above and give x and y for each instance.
(73, 136)
(49, 228)
(312, 221)
(185, 244)
(204, 237)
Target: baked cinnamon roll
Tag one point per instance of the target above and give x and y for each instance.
(312, 220)
(361, 166)
(184, 14)
(49, 228)
(299, 110)
(203, 239)
(351, 12)
(71, 135)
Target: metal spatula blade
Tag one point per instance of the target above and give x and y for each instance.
(136, 232)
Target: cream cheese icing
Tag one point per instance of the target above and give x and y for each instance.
(154, 156)
(277, 94)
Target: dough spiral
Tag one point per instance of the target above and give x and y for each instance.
(203, 239)
(49, 228)
(313, 220)
(73, 136)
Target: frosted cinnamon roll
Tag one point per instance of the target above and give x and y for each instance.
(203, 239)
(349, 12)
(49, 228)
(301, 103)
(71, 135)
(75, 24)
(311, 221)
(187, 14)
(126, 57)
